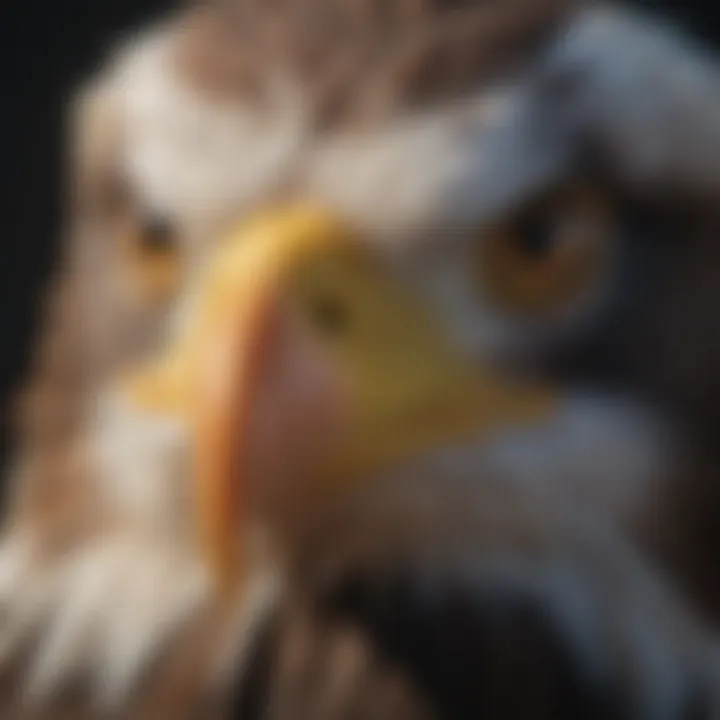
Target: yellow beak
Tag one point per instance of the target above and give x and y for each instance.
(211, 373)
(266, 399)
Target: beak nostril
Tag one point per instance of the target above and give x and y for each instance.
(330, 315)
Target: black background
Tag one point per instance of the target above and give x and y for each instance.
(47, 47)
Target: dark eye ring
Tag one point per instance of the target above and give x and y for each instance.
(157, 234)
(536, 236)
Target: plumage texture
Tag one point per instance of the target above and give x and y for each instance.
(359, 62)
(200, 129)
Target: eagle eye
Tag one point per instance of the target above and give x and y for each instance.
(157, 234)
(154, 262)
(536, 236)
(554, 251)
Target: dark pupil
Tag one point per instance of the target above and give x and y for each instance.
(329, 314)
(157, 235)
(536, 236)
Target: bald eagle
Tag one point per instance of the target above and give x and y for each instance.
(445, 445)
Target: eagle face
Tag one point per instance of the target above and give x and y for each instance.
(523, 196)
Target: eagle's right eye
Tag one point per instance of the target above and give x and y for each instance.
(157, 235)
(154, 258)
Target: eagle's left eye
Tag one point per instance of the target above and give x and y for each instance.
(550, 254)
(153, 256)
